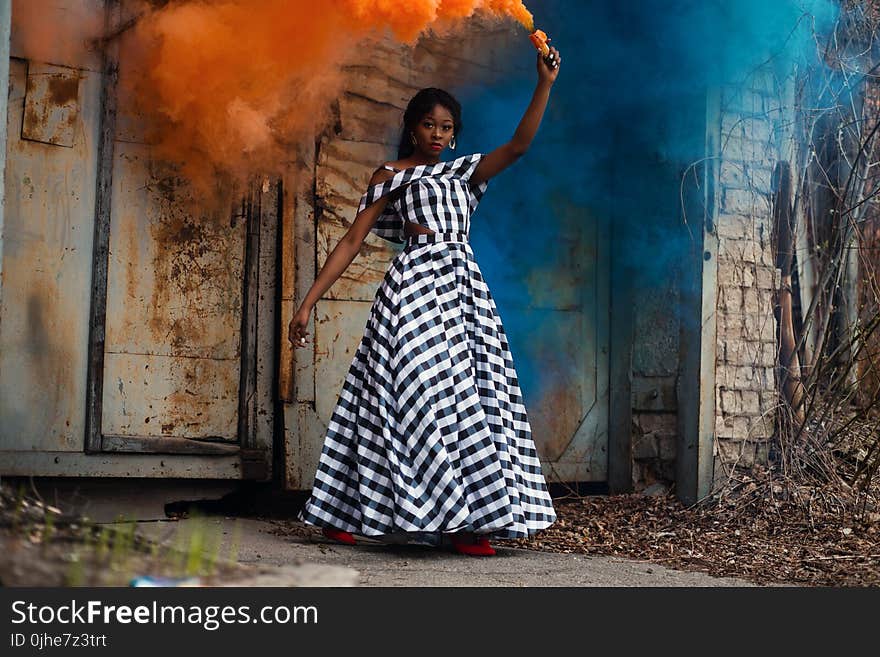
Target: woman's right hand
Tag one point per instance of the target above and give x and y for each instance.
(548, 69)
(297, 330)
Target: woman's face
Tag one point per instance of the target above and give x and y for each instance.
(434, 131)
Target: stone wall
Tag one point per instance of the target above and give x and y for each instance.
(753, 134)
(746, 393)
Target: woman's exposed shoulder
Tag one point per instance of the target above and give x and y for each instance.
(383, 173)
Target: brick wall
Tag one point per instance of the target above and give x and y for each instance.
(746, 349)
(754, 131)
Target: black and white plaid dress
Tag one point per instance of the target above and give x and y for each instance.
(430, 433)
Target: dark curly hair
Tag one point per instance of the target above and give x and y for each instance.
(420, 104)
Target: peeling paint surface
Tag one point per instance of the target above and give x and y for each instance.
(174, 307)
(169, 396)
(343, 169)
(339, 326)
(47, 260)
(51, 105)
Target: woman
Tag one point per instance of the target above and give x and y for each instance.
(429, 440)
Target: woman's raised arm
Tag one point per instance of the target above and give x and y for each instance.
(505, 155)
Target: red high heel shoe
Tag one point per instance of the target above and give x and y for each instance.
(476, 547)
(338, 535)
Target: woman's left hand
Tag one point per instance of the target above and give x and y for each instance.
(546, 71)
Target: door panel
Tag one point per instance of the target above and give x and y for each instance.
(170, 396)
(172, 357)
(133, 319)
(560, 338)
(47, 260)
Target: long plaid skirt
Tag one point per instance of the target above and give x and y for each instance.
(430, 434)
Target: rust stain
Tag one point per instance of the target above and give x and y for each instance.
(132, 274)
(556, 419)
(49, 329)
(556, 415)
(182, 412)
(34, 118)
(180, 276)
(192, 264)
(51, 106)
(63, 89)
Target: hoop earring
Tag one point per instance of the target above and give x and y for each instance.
(452, 144)
(413, 138)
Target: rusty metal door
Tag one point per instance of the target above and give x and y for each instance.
(136, 321)
(47, 240)
(183, 338)
(189, 348)
(561, 340)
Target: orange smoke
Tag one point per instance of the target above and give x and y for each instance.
(515, 10)
(232, 85)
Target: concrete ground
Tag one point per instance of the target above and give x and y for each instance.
(295, 555)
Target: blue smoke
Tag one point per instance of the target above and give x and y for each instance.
(625, 119)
